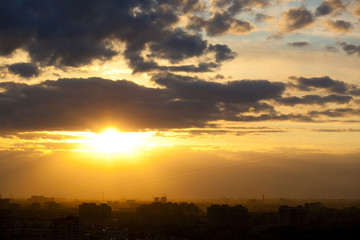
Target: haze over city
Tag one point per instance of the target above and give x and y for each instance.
(195, 99)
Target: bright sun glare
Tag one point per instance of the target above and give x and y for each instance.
(112, 141)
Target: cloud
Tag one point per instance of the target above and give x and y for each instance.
(236, 6)
(64, 33)
(80, 104)
(242, 91)
(74, 104)
(274, 117)
(338, 26)
(326, 83)
(350, 49)
(298, 44)
(220, 23)
(338, 112)
(295, 18)
(329, 6)
(260, 17)
(222, 52)
(25, 70)
(331, 49)
(177, 46)
(314, 99)
(219, 76)
(357, 12)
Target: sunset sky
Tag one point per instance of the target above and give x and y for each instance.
(193, 98)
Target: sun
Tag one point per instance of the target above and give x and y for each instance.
(113, 141)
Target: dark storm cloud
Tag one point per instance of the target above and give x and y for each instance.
(308, 84)
(350, 49)
(314, 99)
(329, 6)
(235, 91)
(79, 104)
(296, 18)
(298, 44)
(67, 33)
(25, 70)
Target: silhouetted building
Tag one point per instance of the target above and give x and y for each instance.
(41, 199)
(4, 203)
(293, 215)
(14, 206)
(35, 206)
(66, 228)
(225, 216)
(91, 211)
(163, 199)
(182, 214)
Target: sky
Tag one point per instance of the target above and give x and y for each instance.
(195, 99)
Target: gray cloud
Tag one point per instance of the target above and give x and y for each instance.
(25, 70)
(219, 76)
(295, 18)
(350, 49)
(315, 99)
(178, 45)
(339, 26)
(236, 6)
(338, 112)
(260, 17)
(329, 6)
(220, 23)
(222, 52)
(308, 84)
(182, 102)
(242, 91)
(66, 33)
(80, 104)
(298, 44)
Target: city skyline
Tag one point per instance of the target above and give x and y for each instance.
(199, 99)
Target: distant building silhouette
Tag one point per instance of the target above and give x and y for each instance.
(293, 215)
(91, 211)
(4, 203)
(163, 199)
(225, 216)
(67, 228)
(41, 199)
